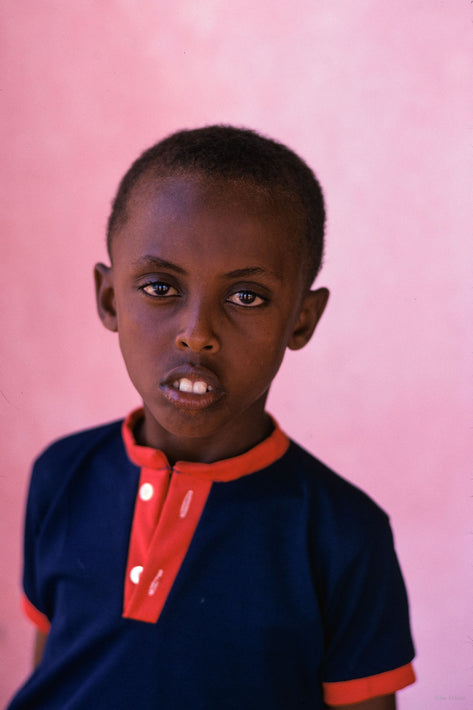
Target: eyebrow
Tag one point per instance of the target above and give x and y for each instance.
(251, 271)
(158, 263)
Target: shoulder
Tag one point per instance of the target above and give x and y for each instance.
(329, 488)
(339, 510)
(78, 445)
(350, 543)
(54, 467)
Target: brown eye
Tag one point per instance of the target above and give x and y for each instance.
(246, 298)
(159, 289)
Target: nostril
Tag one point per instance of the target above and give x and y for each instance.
(196, 345)
(198, 336)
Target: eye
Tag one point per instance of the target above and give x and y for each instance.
(159, 289)
(246, 298)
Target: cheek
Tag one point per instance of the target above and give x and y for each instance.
(258, 359)
(138, 345)
(273, 337)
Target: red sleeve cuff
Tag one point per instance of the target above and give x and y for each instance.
(355, 691)
(39, 619)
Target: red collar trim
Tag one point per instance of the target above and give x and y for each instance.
(262, 455)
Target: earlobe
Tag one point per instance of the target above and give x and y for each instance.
(313, 305)
(105, 296)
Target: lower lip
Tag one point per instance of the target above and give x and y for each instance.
(189, 400)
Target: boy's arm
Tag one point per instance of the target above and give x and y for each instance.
(39, 643)
(386, 702)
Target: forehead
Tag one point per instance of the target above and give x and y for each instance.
(206, 217)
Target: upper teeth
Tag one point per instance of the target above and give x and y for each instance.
(197, 387)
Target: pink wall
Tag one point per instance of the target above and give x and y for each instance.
(374, 94)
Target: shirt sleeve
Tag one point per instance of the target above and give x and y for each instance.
(32, 602)
(369, 647)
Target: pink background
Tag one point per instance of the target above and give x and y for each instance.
(375, 94)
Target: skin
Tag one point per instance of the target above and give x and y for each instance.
(39, 644)
(207, 283)
(385, 702)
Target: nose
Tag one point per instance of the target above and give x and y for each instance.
(197, 331)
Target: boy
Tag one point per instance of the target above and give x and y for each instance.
(194, 557)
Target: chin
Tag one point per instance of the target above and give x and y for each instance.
(188, 424)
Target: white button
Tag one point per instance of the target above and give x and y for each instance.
(155, 583)
(146, 491)
(186, 503)
(135, 574)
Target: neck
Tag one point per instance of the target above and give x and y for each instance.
(235, 439)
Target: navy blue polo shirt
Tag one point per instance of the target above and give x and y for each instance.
(262, 581)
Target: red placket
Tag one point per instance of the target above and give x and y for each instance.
(168, 507)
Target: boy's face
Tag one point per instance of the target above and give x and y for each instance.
(206, 291)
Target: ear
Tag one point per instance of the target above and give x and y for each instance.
(105, 295)
(313, 305)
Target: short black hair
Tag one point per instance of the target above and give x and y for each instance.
(227, 152)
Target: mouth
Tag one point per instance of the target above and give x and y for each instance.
(184, 384)
(192, 388)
